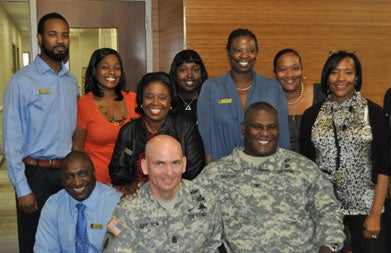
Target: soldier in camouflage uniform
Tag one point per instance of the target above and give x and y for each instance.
(169, 214)
(272, 199)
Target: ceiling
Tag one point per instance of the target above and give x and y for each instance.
(18, 12)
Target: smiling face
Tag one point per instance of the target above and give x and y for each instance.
(54, 40)
(156, 101)
(261, 132)
(342, 80)
(78, 177)
(189, 77)
(243, 54)
(164, 163)
(289, 72)
(108, 72)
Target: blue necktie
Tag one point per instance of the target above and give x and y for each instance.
(81, 240)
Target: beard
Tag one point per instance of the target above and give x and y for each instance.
(55, 56)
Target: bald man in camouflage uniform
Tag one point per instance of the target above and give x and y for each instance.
(169, 214)
(272, 199)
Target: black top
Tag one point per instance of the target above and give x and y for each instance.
(131, 142)
(295, 120)
(187, 108)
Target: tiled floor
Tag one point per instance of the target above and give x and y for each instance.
(8, 228)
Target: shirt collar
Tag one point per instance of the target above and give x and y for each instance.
(42, 67)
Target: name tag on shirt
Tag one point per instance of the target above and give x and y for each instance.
(44, 91)
(325, 122)
(225, 100)
(128, 151)
(96, 226)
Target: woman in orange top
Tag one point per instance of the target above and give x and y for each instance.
(104, 108)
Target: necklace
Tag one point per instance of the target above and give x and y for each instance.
(245, 89)
(187, 105)
(297, 100)
(113, 120)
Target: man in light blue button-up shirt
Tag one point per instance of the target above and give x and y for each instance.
(57, 225)
(38, 122)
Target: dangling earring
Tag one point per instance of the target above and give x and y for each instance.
(170, 108)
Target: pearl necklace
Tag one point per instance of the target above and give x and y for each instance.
(247, 88)
(244, 89)
(297, 100)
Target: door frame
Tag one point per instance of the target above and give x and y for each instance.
(34, 48)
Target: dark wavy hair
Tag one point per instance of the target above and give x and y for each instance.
(52, 15)
(281, 53)
(333, 61)
(240, 32)
(187, 56)
(148, 78)
(91, 81)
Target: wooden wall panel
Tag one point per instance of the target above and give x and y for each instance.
(171, 31)
(313, 28)
(155, 34)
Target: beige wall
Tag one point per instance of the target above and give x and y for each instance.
(81, 49)
(9, 34)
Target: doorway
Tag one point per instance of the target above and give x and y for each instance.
(131, 19)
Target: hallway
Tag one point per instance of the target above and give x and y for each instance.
(8, 227)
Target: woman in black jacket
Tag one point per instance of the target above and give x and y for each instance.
(156, 100)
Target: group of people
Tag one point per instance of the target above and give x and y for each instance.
(189, 163)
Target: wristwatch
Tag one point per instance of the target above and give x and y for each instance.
(333, 247)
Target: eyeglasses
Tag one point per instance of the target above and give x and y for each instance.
(343, 51)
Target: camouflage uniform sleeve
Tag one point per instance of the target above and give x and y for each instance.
(326, 212)
(115, 230)
(207, 178)
(216, 228)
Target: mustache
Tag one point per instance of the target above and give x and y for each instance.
(59, 46)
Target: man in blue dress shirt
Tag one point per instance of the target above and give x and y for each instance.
(57, 225)
(38, 122)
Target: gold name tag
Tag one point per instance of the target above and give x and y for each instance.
(326, 122)
(225, 100)
(96, 226)
(44, 91)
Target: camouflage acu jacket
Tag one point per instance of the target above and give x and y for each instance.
(284, 205)
(141, 224)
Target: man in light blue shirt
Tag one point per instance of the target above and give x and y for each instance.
(38, 122)
(57, 225)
